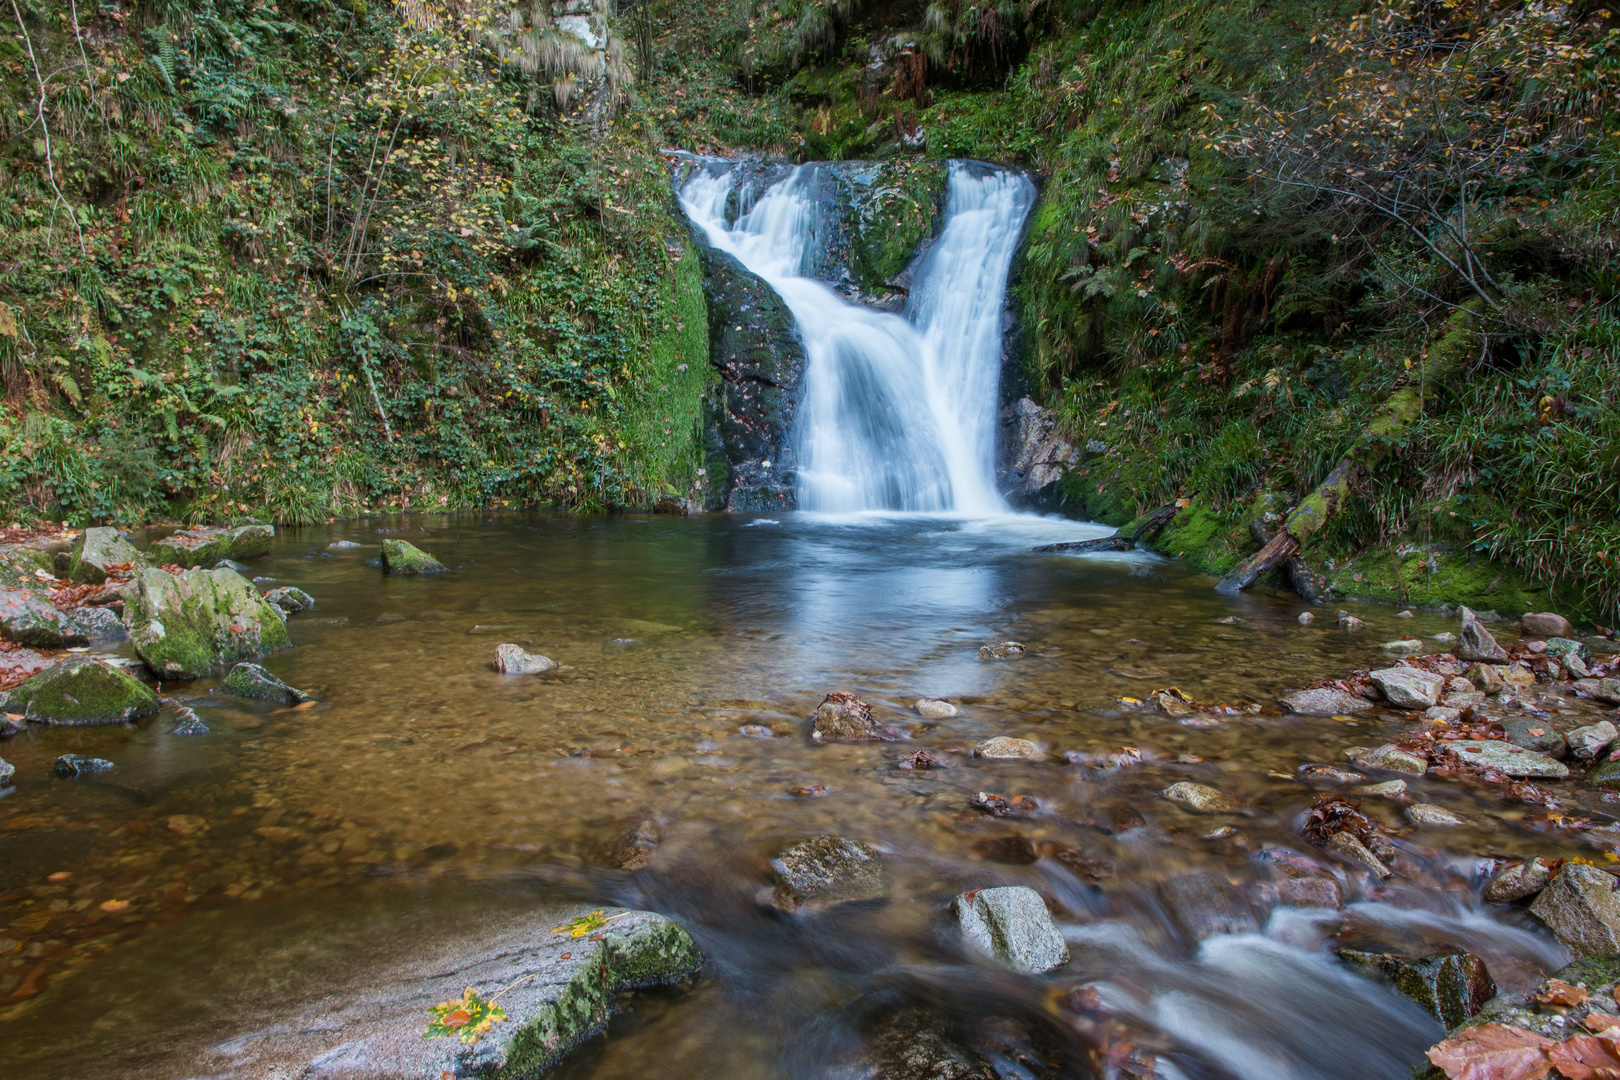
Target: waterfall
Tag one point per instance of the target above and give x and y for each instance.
(899, 411)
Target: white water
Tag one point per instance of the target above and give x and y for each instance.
(899, 411)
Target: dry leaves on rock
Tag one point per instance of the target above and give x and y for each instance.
(1587, 1057)
(1334, 813)
(1494, 1052)
(1557, 992)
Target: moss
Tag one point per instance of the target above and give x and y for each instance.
(252, 681)
(18, 566)
(1211, 541)
(1094, 496)
(1396, 574)
(81, 690)
(400, 557)
(205, 547)
(893, 220)
(185, 625)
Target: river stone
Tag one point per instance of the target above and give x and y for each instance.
(1011, 925)
(1588, 742)
(100, 625)
(1346, 846)
(1510, 759)
(1606, 775)
(70, 766)
(1430, 814)
(31, 620)
(290, 599)
(1581, 907)
(1001, 650)
(80, 690)
(1201, 798)
(843, 716)
(1324, 702)
(1545, 624)
(1403, 645)
(399, 557)
(935, 709)
(1564, 648)
(1389, 789)
(1331, 774)
(252, 681)
(206, 546)
(1409, 688)
(1002, 748)
(7, 771)
(512, 660)
(1486, 677)
(825, 871)
(1206, 904)
(187, 624)
(1450, 986)
(914, 1045)
(1517, 882)
(188, 722)
(1607, 690)
(1391, 758)
(1537, 735)
(96, 550)
(1576, 666)
(1464, 699)
(1475, 642)
(1309, 892)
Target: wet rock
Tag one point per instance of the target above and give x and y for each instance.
(1306, 618)
(1172, 702)
(31, 620)
(185, 625)
(1518, 882)
(1012, 926)
(1348, 621)
(101, 626)
(1512, 760)
(400, 557)
(922, 759)
(1518, 677)
(997, 805)
(7, 771)
(1581, 907)
(1114, 816)
(1607, 690)
(1474, 642)
(1016, 850)
(80, 690)
(635, 849)
(97, 551)
(1566, 649)
(1406, 645)
(1464, 699)
(1545, 624)
(914, 1045)
(512, 660)
(1430, 814)
(1389, 789)
(1347, 847)
(1201, 798)
(1206, 904)
(1537, 735)
(1486, 677)
(1606, 775)
(1443, 714)
(825, 871)
(1588, 742)
(1409, 688)
(1330, 774)
(1324, 702)
(1391, 758)
(1309, 892)
(188, 723)
(1001, 650)
(1450, 986)
(231, 564)
(342, 545)
(674, 504)
(252, 681)
(290, 599)
(9, 727)
(206, 546)
(843, 716)
(1002, 748)
(1575, 666)
(935, 709)
(69, 766)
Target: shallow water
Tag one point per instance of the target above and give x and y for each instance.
(291, 848)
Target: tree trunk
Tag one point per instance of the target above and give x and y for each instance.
(1142, 528)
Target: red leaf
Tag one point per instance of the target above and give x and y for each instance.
(1494, 1052)
(1587, 1057)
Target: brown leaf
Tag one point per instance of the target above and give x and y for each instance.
(1587, 1057)
(457, 1018)
(1559, 992)
(1494, 1052)
(1600, 1021)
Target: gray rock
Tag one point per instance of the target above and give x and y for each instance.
(1206, 904)
(1475, 642)
(342, 545)
(512, 660)
(399, 557)
(31, 620)
(7, 771)
(1588, 742)
(101, 625)
(231, 564)
(1406, 645)
(1389, 789)
(1409, 688)
(914, 1045)
(1001, 650)
(1430, 814)
(935, 709)
(1581, 907)
(70, 766)
(290, 599)
(1445, 637)
(1451, 986)
(1347, 847)
(1306, 618)
(1486, 677)
(1537, 735)
(1545, 624)
(1510, 759)
(1608, 690)
(1011, 925)
(97, 551)
(1324, 702)
(1391, 758)
(1517, 882)
(1564, 648)
(1002, 748)
(843, 717)
(188, 723)
(1309, 892)
(1464, 699)
(206, 546)
(1445, 714)
(1576, 666)
(252, 681)
(1201, 798)
(825, 871)
(80, 690)
(185, 625)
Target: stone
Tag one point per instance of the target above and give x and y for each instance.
(100, 551)
(1011, 925)
(633, 850)
(342, 545)
(1536, 735)
(7, 771)
(1002, 748)
(1588, 742)
(185, 625)
(1389, 789)
(1576, 666)
(1545, 624)
(1430, 814)
(1474, 642)
(844, 717)
(1206, 904)
(1518, 677)
(935, 709)
(1408, 645)
(825, 871)
(1201, 798)
(1001, 650)
(1324, 702)
(1309, 892)
(1409, 688)
(675, 504)
(1306, 618)
(1347, 847)
(915, 1045)
(1403, 614)
(1581, 907)
(290, 599)
(1350, 622)
(1607, 690)
(1606, 775)
(1565, 648)
(400, 557)
(81, 690)
(31, 620)
(101, 625)
(206, 546)
(1445, 637)
(1518, 882)
(188, 723)
(1464, 699)
(1331, 774)
(512, 660)
(1486, 677)
(1450, 986)
(70, 766)
(1443, 714)
(252, 681)
(1510, 759)
(1391, 758)
(231, 564)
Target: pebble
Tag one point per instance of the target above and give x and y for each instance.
(935, 709)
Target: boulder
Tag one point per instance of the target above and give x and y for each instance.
(1391, 758)
(1201, 798)
(101, 625)
(1450, 986)
(935, 709)
(1324, 702)
(1474, 642)
(72, 766)
(511, 660)
(1486, 677)
(1588, 742)
(252, 681)
(206, 546)
(97, 552)
(1510, 759)
(1517, 882)
(187, 624)
(842, 716)
(1536, 735)
(1001, 650)
(7, 771)
(1545, 624)
(914, 1044)
(1409, 688)
(80, 690)
(29, 619)
(1012, 926)
(1581, 907)
(290, 599)
(399, 557)
(1206, 904)
(1430, 814)
(1002, 748)
(825, 871)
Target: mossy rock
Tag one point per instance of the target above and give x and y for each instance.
(30, 619)
(206, 546)
(1396, 574)
(185, 625)
(1211, 541)
(81, 690)
(252, 681)
(19, 566)
(95, 550)
(399, 557)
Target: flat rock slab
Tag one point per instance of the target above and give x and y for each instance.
(1324, 702)
(1512, 760)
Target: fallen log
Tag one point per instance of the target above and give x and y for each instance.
(1297, 569)
(1102, 543)
(1142, 528)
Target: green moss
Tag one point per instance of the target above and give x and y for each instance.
(1211, 541)
(205, 547)
(185, 625)
(400, 557)
(81, 690)
(18, 566)
(892, 220)
(1095, 495)
(1395, 574)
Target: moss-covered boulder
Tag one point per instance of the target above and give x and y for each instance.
(97, 552)
(81, 690)
(184, 625)
(399, 557)
(20, 566)
(206, 546)
(29, 619)
(252, 681)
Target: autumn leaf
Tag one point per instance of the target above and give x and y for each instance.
(1494, 1052)
(1587, 1057)
(1559, 992)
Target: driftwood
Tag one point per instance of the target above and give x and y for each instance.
(1297, 569)
(1141, 529)
(1102, 543)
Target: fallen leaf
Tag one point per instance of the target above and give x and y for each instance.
(567, 956)
(113, 907)
(1561, 993)
(456, 1018)
(1494, 1052)
(1587, 1057)
(1600, 1021)
(60, 875)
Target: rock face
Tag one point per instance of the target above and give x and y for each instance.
(1324, 702)
(1409, 688)
(252, 681)
(1545, 624)
(1033, 455)
(399, 557)
(1512, 760)
(96, 551)
(1517, 882)
(1451, 986)
(511, 660)
(184, 625)
(205, 547)
(842, 716)
(1002, 748)
(1474, 642)
(1012, 926)
(1201, 798)
(30, 620)
(1581, 907)
(825, 871)
(291, 600)
(80, 690)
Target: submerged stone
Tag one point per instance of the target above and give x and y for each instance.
(1001, 650)
(1206, 904)
(1450, 986)
(1391, 758)
(29, 619)
(290, 599)
(825, 871)
(80, 690)
(252, 681)
(98, 552)
(185, 625)
(70, 766)
(189, 723)
(1012, 926)
(399, 557)
(842, 716)
(1002, 748)
(1581, 907)
(935, 709)
(1324, 702)
(914, 1045)
(7, 771)
(1201, 798)
(206, 546)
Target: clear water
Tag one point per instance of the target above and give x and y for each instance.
(427, 795)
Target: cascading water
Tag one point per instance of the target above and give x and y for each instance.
(898, 410)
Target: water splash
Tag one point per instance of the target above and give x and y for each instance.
(898, 410)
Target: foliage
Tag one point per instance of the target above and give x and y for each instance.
(468, 1017)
